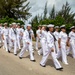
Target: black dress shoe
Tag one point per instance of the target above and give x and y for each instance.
(20, 57)
(33, 60)
(43, 65)
(0, 46)
(8, 51)
(15, 54)
(20, 49)
(59, 68)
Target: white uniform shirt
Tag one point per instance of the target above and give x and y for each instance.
(26, 35)
(22, 30)
(50, 40)
(10, 32)
(72, 35)
(63, 36)
(56, 34)
(44, 35)
(1, 30)
(5, 31)
(18, 32)
(38, 33)
(13, 36)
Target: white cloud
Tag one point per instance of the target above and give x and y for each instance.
(37, 6)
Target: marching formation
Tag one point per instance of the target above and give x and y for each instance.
(53, 39)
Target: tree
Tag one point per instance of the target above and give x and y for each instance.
(35, 23)
(14, 9)
(59, 20)
(45, 11)
(52, 13)
(11, 20)
(64, 16)
(66, 13)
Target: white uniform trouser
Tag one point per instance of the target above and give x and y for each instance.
(63, 52)
(58, 52)
(68, 50)
(27, 46)
(43, 46)
(18, 41)
(15, 46)
(23, 42)
(0, 40)
(21, 39)
(6, 42)
(73, 47)
(10, 44)
(53, 54)
(37, 40)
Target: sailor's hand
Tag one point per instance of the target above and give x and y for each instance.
(12, 40)
(59, 46)
(27, 42)
(3, 38)
(52, 50)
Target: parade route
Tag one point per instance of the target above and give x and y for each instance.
(12, 65)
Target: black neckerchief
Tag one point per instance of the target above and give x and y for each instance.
(53, 36)
(15, 31)
(29, 34)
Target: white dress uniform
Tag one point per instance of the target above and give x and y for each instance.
(13, 36)
(5, 33)
(58, 52)
(19, 37)
(37, 38)
(63, 36)
(28, 39)
(72, 42)
(43, 41)
(22, 31)
(1, 36)
(50, 43)
(10, 41)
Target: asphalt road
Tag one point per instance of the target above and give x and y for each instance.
(12, 65)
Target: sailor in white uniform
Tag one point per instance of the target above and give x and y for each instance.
(5, 36)
(28, 35)
(22, 32)
(51, 49)
(1, 35)
(10, 41)
(56, 34)
(19, 36)
(63, 40)
(72, 40)
(13, 37)
(38, 36)
(43, 40)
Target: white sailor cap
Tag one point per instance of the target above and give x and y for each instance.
(39, 25)
(18, 23)
(50, 25)
(22, 25)
(63, 26)
(29, 25)
(10, 24)
(72, 27)
(44, 25)
(0, 23)
(56, 27)
(5, 23)
(14, 23)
